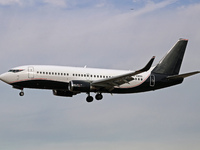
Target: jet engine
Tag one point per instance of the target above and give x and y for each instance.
(79, 86)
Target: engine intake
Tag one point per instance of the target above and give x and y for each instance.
(79, 86)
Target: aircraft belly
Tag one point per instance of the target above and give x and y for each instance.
(144, 87)
(41, 84)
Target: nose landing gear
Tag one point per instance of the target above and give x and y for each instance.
(21, 93)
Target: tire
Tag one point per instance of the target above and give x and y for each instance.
(89, 99)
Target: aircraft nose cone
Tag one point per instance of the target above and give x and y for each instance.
(4, 78)
(1, 77)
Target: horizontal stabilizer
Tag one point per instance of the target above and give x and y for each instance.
(181, 76)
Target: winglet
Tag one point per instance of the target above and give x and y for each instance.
(148, 66)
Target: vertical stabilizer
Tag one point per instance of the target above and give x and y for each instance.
(171, 63)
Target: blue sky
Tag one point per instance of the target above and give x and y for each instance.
(102, 34)
(85, 4)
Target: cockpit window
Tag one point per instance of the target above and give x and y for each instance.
(15, 70)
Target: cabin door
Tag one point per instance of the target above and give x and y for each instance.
(30, 72)
(152, 80)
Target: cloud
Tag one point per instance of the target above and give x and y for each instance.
(152, 6)
(60, 3)
(67, 31)
(10, 2)
(74, 4)
(100, 4)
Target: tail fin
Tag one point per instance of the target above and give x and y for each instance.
(171, 63)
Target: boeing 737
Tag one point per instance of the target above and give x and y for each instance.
(69, 81)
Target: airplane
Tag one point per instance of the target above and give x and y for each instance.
(69, 81)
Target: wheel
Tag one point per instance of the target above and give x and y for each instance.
(99, 97)
(21, 93)
(89, 99)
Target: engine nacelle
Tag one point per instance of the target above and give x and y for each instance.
(63, 93)
(79, 86)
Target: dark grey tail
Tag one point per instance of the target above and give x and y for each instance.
(171, 63)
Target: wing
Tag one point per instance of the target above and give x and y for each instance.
(121, 79)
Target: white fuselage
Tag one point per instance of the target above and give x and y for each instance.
(67, 74)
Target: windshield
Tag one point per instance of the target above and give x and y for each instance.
(15, 70)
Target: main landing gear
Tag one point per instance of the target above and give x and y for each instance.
(89, 99)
